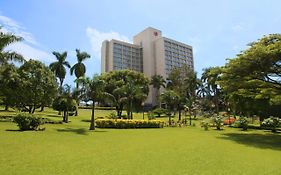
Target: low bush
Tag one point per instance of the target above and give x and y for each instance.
(205, 125)
(271, 123)
(217, 121)
(242, 122)
(126, 124)
(28, 122)
(159, 111)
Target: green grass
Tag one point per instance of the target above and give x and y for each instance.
(73, 149)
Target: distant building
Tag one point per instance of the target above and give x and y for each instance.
(150, 53)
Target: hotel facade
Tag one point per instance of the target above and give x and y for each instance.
(150, 53)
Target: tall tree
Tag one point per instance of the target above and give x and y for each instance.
(253, 77)
(79, 68)
(157, 81)
(122, 84)
(171, 98)
(5, 40)
(211, 76)
(37, 85)
(95, 91)
(58, 67)
(184, 82)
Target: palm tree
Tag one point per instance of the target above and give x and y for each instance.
(171, 98)
(95, 91)
(211, 76)
(157, 81)
(132, 93)
(58, 67)
(79, 68)
(5, 40)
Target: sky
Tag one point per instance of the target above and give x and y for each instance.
(217, 29)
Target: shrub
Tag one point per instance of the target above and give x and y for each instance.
(272, 122)
(150, 116)
(205, 125)
(218, 122)
(241, 123)
(28, 122)
(112, 115)
(125, 124)
(159, 111)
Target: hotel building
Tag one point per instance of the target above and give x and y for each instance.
(150, 53)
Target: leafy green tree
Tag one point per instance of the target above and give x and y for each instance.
(171, 98)
(184, 82)
(9, 82)
(5, 40)
(210, 77)
(252, 80)
(37, 85)
(79, 68)
(117, 83)
(157, 81)
(95, 91)
(58, 67)
(132, 93)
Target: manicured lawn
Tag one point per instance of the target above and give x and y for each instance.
(73, 149)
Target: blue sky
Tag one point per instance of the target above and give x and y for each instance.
(216, 29)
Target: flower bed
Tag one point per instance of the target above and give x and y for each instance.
(127, 124)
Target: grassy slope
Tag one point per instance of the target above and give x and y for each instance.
(72, 149)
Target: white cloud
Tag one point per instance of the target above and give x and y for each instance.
(96, 38)
(30, 52)
(29, 47)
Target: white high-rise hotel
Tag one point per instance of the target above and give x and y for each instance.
(150, 53)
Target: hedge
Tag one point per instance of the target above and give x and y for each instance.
(126, 124)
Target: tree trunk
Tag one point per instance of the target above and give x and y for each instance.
(42, 108)
(33, 110)
(6, 107)
(179, 113)
(92, 126)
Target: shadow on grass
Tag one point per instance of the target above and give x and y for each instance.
(265, 141)
(14, 130)
(85, 120)
(80, 131)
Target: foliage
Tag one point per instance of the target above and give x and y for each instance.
(5, 40)
(37, 85)
(28, 122)
(171, 98)
(125, 124)
(242, 122)
(58, 67)
(65, 104)
(157, 81)
(272, 122)
(79, 68)
(252, 79)
(205, 125)
(127, 88)
(184, 82)
(217, 121)
(29, 87)
(159, 111)
(9, 83)
(210, 78)
(94, 89)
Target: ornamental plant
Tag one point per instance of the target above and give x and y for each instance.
(28, 122)
(272, 122)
